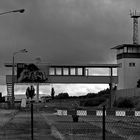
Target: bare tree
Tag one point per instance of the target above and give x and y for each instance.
(52, 93)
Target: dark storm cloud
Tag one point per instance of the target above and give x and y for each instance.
(66, 31)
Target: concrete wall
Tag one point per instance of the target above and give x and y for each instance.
(126, 93)
(75, 79)
(128, 76)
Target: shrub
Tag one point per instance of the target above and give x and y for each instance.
(93, 102)
(62, 96)
(104, 92)
(124, 103)
(91, 95)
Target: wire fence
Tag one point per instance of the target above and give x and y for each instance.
(68, 124)
(101, 124)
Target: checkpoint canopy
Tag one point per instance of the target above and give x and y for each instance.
(32, 73)
(60, 73)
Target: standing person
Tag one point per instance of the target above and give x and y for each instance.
(27, 92)
(32, 92)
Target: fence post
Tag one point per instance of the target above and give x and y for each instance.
(103, 127)
(32, 132)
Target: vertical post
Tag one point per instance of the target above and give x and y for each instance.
(83, 71)
(76, 71)
(69, 70)
(54, 70)
(62, 71)
(87, 72)
(37, 92)
(103, 127)
(32, 132)
(13, 81)
(135, 30)
(110, 86)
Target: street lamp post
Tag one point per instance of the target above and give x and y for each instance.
(13, 74)
(13, 63)
(13, 11)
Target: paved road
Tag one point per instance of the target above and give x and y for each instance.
(6, 115)
(49, 126)
(18, 128)
(125, 127)
(85, 129)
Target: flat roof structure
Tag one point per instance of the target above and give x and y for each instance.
(124, 45)
(72, 65)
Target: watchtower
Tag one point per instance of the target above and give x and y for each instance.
(128, 59)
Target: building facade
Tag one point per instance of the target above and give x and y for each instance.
(128, 59)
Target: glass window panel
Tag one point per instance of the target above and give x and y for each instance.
(58, 71)
(90, 71)
(65, 71)
(72, 71)
(79, 71)
(101, 71)
(130, 49)
(131, 64)
(51, 71)
(125, 49)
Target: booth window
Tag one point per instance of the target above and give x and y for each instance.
(131, 64)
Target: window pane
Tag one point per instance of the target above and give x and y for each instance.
(79, 71)
(58, 71)
(65, 71)
(131, 64)
(72, 71)
(51, 71)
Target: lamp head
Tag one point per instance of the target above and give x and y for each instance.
(19, 10)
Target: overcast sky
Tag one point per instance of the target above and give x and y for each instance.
(65, 31)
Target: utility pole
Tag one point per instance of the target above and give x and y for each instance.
(38, 61)
(135, 15)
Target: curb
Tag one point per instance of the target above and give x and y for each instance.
(99, 112)
(54, 130)
(56, 133)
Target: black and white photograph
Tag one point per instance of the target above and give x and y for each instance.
(69, 70)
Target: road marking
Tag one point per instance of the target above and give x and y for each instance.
(120, 113)
(81, 112)
(100, 113)
(137, 113)
(62, 112)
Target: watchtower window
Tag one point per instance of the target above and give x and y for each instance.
(130, 50)
(119, 51)
(125, 50)
(131, 64)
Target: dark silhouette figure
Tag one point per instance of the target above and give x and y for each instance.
(30, 92)
(52, 93)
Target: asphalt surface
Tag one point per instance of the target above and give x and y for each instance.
(16, 125)
(19, 128)
(85, 129)
(124, 127)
